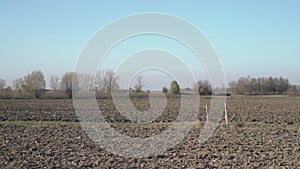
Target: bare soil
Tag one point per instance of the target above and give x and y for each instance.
(263, 132)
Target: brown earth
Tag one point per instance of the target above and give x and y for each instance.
(263, 132)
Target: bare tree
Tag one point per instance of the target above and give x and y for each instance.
(5, 91)
(262, 85)
(233, 87)
(2, 84)
(110, 81)
(99, 80)
(139, 84)
(17, 84)
(35, 82)
(69, 82)
(85, 81)
(54, 83)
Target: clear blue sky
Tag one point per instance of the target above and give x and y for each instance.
(254, 37)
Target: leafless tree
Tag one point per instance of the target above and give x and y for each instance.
(5, 91)
(2, 84)
(18, 83)
(262, 85)
(35, 82)
(85, 81)
(98, 80)
(69, 82)
(54, 83)
(109, 79)
(139, 84)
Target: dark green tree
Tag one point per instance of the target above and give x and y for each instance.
(174, 87)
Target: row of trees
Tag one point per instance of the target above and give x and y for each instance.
(245, 86)
(35, 83)
(107, 80)
(262, 86)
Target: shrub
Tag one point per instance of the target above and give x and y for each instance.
(165, 90)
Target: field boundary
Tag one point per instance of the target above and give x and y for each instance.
(122, 124)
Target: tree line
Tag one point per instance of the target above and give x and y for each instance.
(263, 86)
(35, 84)
(106, 81)
(249, 86)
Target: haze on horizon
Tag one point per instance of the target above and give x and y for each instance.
(256, 38)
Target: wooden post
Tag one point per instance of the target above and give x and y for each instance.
(225, 113)
(206, 114)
